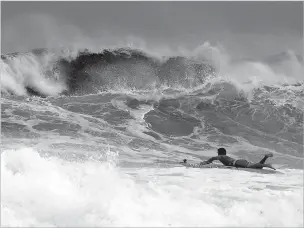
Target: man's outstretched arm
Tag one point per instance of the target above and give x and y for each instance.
(209, 160)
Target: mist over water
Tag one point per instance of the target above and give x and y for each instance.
(93, 136)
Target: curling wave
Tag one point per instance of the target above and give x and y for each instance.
(42, 72)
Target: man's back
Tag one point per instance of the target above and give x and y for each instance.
(226, 160)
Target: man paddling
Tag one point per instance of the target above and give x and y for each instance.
(239, 163)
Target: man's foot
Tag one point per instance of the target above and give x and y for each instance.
(269, 155)
(270, 166)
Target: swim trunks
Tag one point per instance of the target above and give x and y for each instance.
(241, 163)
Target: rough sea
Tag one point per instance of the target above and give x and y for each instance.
(94, 138)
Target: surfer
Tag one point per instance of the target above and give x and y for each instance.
(238, 163)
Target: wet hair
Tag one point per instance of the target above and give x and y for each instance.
(221, 151)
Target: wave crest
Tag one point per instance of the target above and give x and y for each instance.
(42, 72)
(46, 72)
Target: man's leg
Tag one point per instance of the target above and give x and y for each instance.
(260, 166)
(265, 158)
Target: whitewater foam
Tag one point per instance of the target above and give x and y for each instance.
(48, 191)
(28, 71)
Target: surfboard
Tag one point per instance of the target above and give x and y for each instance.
(219, 166)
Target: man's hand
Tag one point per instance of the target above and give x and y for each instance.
(204, 163)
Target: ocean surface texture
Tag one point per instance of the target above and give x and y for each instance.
(93, 138)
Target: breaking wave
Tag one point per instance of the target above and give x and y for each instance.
(46, 72)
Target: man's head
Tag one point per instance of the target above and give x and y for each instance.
(221, 151)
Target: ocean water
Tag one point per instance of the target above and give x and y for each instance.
(94, 138)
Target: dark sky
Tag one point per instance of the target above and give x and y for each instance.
(243, 28)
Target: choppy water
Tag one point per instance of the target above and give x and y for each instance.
(93, 139)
